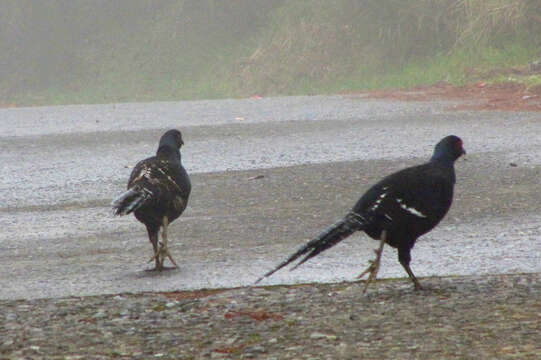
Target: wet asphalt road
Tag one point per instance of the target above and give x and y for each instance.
(61, 166)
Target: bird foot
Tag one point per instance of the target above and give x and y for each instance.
(159, 256)
(372, 270)
(417, 286)
(157, 268)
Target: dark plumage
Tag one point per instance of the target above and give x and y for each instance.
(396, 210)
(158, 191)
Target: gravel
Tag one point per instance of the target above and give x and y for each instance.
(475, 317)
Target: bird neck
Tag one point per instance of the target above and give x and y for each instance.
(443, 157)
(445, 162)
(169, 153)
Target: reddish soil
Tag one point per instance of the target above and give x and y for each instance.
(191, 294)
(258, 315)
(479, 96)
(7, 105)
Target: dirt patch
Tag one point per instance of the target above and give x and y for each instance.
(196, 294)
(479, 96)
(258, 315)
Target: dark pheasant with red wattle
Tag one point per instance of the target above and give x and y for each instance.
(397, 210)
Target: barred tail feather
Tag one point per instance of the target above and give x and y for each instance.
(129, 201)
(327, 239)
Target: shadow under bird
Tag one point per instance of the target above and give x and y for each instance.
(158, 192)
(396, 210)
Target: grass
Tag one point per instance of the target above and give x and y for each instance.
(458, 68)
(529, 81)
(370, 54)
(193, 50)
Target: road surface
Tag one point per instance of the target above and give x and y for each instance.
(61, 166)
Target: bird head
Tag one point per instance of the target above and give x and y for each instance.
(449, 148)
(170, 144)
(172, 138)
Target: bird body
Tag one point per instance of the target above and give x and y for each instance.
(396, 210)
(158, 191)
(415, 200)
(163, 186)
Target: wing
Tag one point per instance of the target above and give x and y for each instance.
(422, 192)
(164, 179)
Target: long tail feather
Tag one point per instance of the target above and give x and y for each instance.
(327, 239)
(130, 201)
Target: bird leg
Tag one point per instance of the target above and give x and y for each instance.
(161, 252)
(153, 236)
(404, 260)
(159, 256)
(164, 251)
(373, 268)
(416, 283)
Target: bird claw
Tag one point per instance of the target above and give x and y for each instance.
(156, 255)
(171, 259)
(160, 269)
(160, 256)
(373, 268)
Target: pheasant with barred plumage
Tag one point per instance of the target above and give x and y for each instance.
(158, 192)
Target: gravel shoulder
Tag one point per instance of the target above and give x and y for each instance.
(474, 317)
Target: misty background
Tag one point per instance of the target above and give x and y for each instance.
(102, 51)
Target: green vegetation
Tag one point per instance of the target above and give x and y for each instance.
(531, 82)
(75, 51)
(458, 67)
